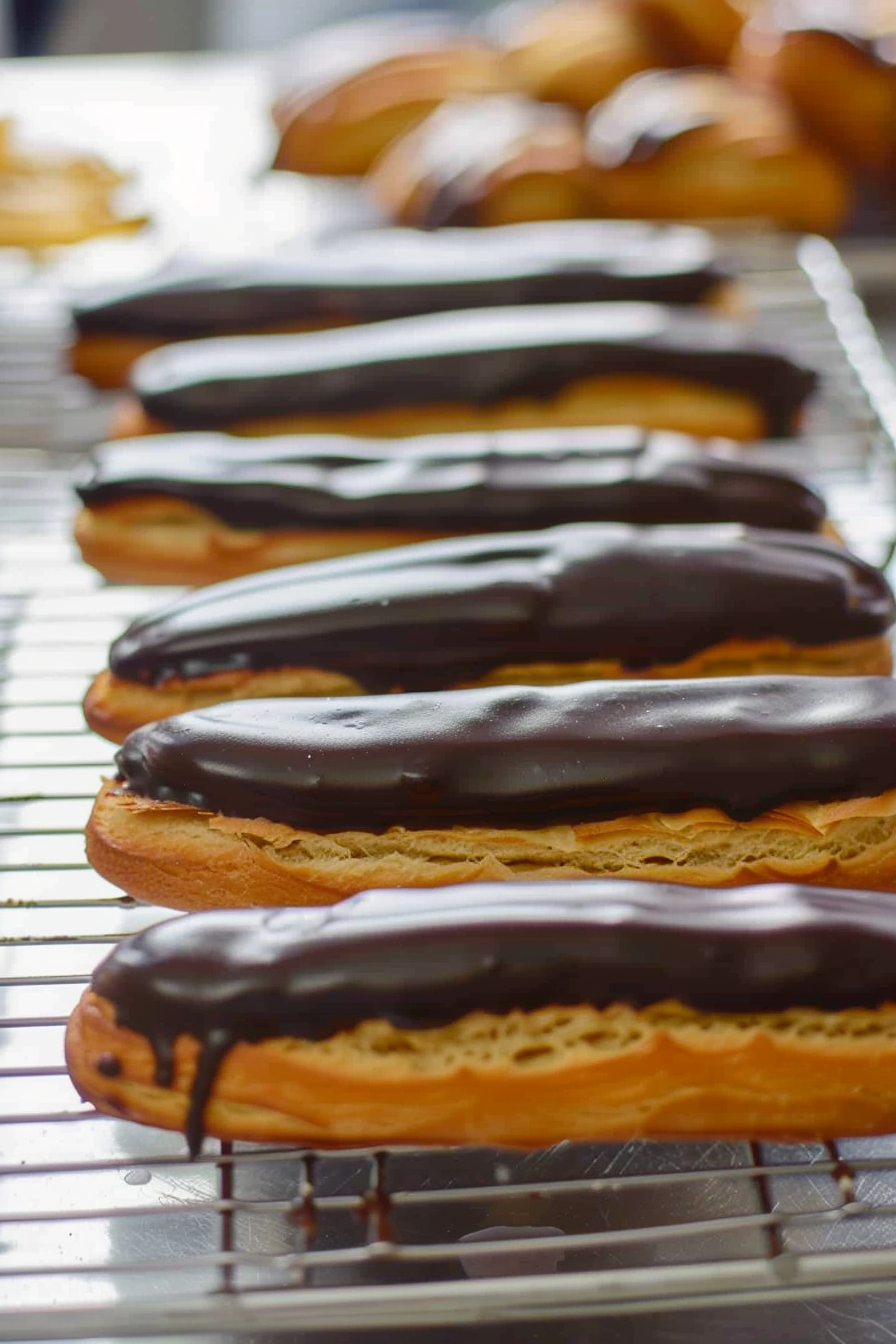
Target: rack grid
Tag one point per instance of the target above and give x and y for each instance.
(108, 1229)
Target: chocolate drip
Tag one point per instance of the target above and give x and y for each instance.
(216, 1046)
(252, 975)
(478, 358)
(440, 613)
(461, 146)
(392, 273)
(461, 482)
(514, 756)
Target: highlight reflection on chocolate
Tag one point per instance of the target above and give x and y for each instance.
(251, 975)
(521, 756)
(444, 612)
(498, 481)
(476, 358)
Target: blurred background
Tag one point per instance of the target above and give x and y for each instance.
(80, 27)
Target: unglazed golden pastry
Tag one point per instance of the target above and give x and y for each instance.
(834, 61)
(572, 51)
(51, 199)
(565, 604)
(679, 144)
(530, 367)
(520, 1015)
(354, 88)
(693, 32)
(307, 801)
(486, 161)
(198, 508)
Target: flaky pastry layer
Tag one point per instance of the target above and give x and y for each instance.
(526, 1079)
(113, 706)
(190, 859)
(160, 539)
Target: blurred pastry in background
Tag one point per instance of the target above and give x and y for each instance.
(487, 161)
(351, 89)
(383, 273)
(834, 61)
(693, 144)
(51, 198)
(693, 32)
(572, 51)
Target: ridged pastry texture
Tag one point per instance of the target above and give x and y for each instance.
(717, 782)
(519, 1015)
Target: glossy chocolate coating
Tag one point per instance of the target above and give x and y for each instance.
(388, 273)
(654, 109)
(480, 358)
(454, 155)
(499, 481)
(444, 612)
(524, 756)
(421, 960)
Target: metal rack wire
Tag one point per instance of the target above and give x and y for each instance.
(107, 1228)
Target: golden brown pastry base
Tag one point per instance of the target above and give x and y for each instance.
(857, 121)
(522, 1079)
(686, 405)
(544, 177)
(710, 174)
(114, 707)
(692, 32)
(341, 131)
(159, 539)
(578, 52)
(105, 358)
(171, 854)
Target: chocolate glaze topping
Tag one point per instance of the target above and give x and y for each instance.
(388, 273)
(454, 154)
(481, 357)
(524, 756)
(436, 614)
(652, 110)
(478, 481)
(251, 975)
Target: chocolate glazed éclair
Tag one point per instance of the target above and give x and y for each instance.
(524, 756)
(246, 976)
(478, 359)
(441, 613)
(392, 273)
(465, 482)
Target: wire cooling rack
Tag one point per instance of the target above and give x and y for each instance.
(107, 1229)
